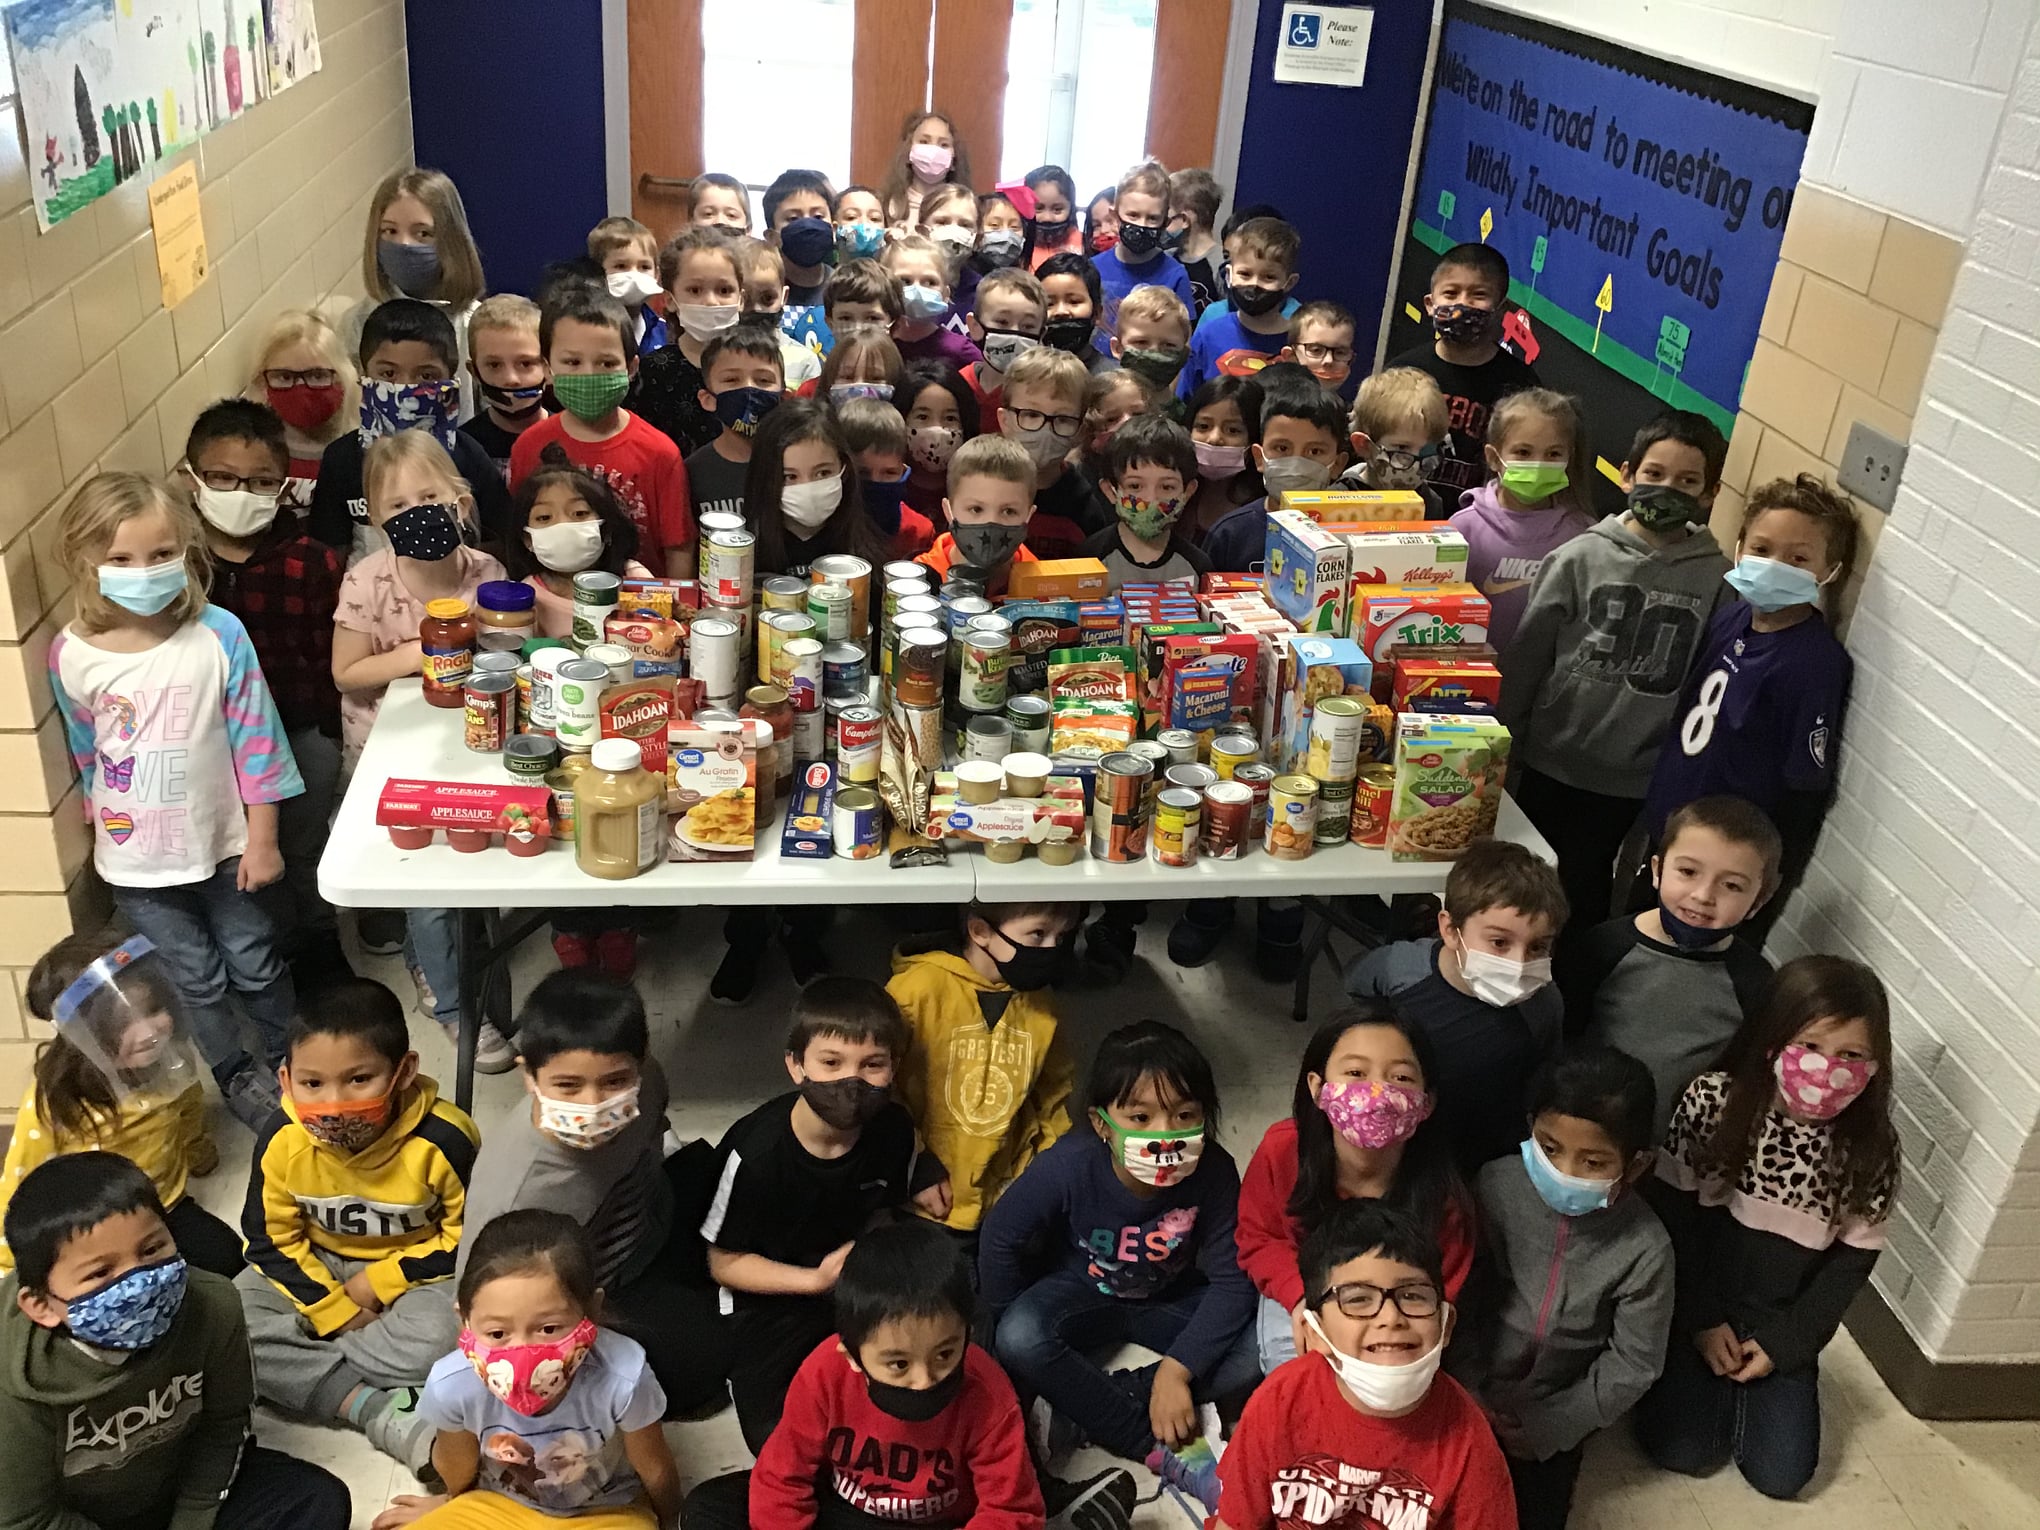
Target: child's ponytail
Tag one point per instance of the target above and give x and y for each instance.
(72, 1096)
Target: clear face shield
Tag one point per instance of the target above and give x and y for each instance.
(122, 1015)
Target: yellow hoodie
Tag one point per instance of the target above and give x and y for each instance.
(986, 1098)
(397, 1204)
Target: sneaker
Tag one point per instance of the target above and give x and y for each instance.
(253, 1097)
(428, 1001)
(399, 1430)
(1192, 944)
(1108, 950)
(381, 930)
(494, 1052)
(616, 953)
(1192, 1470)
(1103, 1502)
(735, 976)
(574, 950)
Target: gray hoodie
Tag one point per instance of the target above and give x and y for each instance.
(1586, 1304)
(1591, 681)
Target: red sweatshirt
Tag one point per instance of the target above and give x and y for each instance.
(1268, 1236)
(967, 1466)
(1304, 1456)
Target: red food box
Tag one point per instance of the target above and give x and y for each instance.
(521, 812)
(1239, 651)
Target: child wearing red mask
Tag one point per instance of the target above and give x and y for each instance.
(304, 373)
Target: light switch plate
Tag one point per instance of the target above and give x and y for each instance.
(1872, 464)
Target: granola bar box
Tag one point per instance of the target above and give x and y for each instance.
(1449, 771)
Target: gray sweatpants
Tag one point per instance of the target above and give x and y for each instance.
(296, 1369)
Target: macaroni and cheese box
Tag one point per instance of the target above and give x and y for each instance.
(1208, 680)
(1406, 555)
(1100, 622)
(1447, 685)
(1058, 579)
(1308, 572)
(1150, 644)
(1312, 669)
(1356, 504)
(1449, 771)
(1417, 615)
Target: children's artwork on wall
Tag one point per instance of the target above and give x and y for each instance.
(293, 42)
(232, 53)
(64, 71)
(1640, 204)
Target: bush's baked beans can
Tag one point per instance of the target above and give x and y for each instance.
(489, 701)
(1229, 751)
(545, 678)
(854, 823)
(712, 654)
(1335, 811)
(1179, 820)
(800, 670)
(1373, 791)
(829, 606)
(1228, 806)
(850, 572)
(1190, 777)
(1181, 744)
(981, 684)
(1029, 716)
(919, 666)
(728, 557)
(1257, 778)
(783, 592)
(577, 703)
(1292, 817)
(1119, 807)
(859, 732)
(1338, 724)
(775, 630)
(845, 672)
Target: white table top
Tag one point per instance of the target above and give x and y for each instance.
(417, 741)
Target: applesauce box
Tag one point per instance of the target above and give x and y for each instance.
(1308, 572)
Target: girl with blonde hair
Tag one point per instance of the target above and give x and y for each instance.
(417, 244)
(306, 375)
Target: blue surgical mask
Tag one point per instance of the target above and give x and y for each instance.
(1565, 1194)
(923, 303)
(1770, 585)
(132, 1312)
(144, 591)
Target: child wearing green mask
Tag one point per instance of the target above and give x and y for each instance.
(1534, 501)
(590, 346)
(1150, 468)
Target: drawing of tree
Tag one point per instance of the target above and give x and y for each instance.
(88, 134)
(155, 133)
(112, 142)
(210, 52)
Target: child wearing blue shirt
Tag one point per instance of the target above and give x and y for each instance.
(1259, 277)
(1138, 259)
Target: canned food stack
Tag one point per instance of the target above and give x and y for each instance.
(728, 563)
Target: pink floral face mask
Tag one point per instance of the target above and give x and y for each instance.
(1819, 1087)
(1371, 1114)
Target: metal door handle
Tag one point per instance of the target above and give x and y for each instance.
(650, 182)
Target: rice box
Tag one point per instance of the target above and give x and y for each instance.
(1449, 772)
(1313, 668)
(1417, 615)
(1328, 505)
(1411, 555)
(1308, 571)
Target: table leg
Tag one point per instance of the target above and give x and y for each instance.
(1325, 916)
(470, 956)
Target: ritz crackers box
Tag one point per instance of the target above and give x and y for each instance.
(1309, 572)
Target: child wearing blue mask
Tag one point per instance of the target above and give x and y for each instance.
(797, 208)
(1761, 714)
(1583, 1272)
(743, 381)
(922, 270)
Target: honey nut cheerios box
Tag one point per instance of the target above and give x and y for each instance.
(1449, 771)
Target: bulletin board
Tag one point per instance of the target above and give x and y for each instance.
(1640, 205)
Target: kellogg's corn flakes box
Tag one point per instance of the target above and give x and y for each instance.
(1308, 571)
(1407, 555)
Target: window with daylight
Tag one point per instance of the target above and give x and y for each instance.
(1077, 76)
(775, 87)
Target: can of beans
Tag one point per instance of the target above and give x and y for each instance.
(489, 701)
(981, 684)
(1335, 811)
(930, 626)
(577, 704)
(1192, 777)
(595, 597)
(712, 659)
(727, 560)
(846, 672)
(850, 572)
(530, 758)
(1179, 814)
(918, 668)
(1229, 751)
(854, 823)
(829, 606)
(1029, 716)
(1228, 805)
(799, 669)
(545, 679)
(1181, 744)
(1373, 791)
(1256, 778)
(1337, 725)
(860, 730)
(1119, 807)
(1292, 817)
(783, 592)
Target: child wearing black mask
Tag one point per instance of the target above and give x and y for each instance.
(977, 1009)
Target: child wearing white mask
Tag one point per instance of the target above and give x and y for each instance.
(1374, 1433)
(1481, 992)
(628, 254)
(568, 521)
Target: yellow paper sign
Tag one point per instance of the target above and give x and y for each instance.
(180, 233)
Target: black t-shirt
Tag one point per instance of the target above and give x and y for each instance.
(668, 394)
(1203, 282)
(493, 439)
(1471, 394)
(1067, 513)
(775, 1198)
(714, 482)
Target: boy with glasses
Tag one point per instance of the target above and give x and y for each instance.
(1043, 412)
(1321, 337)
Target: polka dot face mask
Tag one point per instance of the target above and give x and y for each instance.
(1819, 1087)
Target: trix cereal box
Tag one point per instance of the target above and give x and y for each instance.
(1408, 555)
(1308, 572)
(1356, 504)
(1313, 668)
(1447, 685)
(1417, 615)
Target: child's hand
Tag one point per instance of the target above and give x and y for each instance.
(1720, 1348)
(1172, 1414)
(830, 1270)
(408, 658)
(1755, 1366)
(260, 865)
(936, 1200)
(361, 1293)
(406, 1507)
(359, 1321)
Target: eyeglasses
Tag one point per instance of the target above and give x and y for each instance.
(317, 377)
(1357, 1300)
(226, 483)
(1064, 425)
(1313, 354)
(1399, 460)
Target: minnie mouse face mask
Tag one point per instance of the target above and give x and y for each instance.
(1156, 1158)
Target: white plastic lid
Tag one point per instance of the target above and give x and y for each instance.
(617, 755)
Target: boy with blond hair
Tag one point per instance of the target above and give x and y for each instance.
(1399, 431)
(628, 254)
(762, 269)
(509, 373)
(1006, 321)
(1139, 258)
(1194, 196)
(990, 505)
(1259, 279)
(1043, 413)
(1321, 339)
(1151, 336)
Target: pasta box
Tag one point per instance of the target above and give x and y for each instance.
(810, 808)
(1404, 555)
(1447, 685)
(1417, 615)
(1308, 572)
(712, 784)
(1329, 505)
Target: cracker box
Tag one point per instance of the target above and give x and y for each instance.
(1308, 572)
(1417, 615)
(1410, 555)
(1329, 505)
(1058, 579)
(1447, 685)
(1448, 784)
(712, 784)
(1314, 668)
(1396, 654)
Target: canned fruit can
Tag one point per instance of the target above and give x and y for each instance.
(577, 703)
(860, 733)
(1030, 718)
(1335, 811)
(1228, 807)
(712, 652)
(829, 606)
(530, 758)
(1338, 724)
(1181, 744)
(1292, 817)
(775, 630)
(918, 668)
(1173, 837)
(987, 656)
(1256, 778)
(799, 670)
(1373, 791)
(846, 673)
(850, 572)
(1229, 751)
(1119, 807)
(783, 592)
(489, 702)
(854, 823)
(727, 560)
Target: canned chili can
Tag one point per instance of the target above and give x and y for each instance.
(1337, 726)
(1228, 805)
(1292, 817)
(799, 669)
(859, 732)
(829, 607)
(728, 558)
(845, 671)
(1181, 744)
(854, 823)
(577, 703)
(918, 670)
(1229, 751)
(981, 686)
(1256, 778)
(1029, 716)
(1173, 837)
(712, 652)
(1373, 791)
(783, 592)
(488, 700)
(1119, 807)
(1335, 811)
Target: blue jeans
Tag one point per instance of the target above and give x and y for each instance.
(1045, 1337)
(212, 936)
(432, 944)
(1696, 1422)
(1273, 1337)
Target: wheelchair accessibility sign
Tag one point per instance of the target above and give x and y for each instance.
(1323, 45)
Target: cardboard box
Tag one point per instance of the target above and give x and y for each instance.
(1314, 668)
(1309, 571)
(1058, 579)
(1356, 504)
(1100, 622)
(712, 783)
(1449, 772)
(1417, 615)
(1396, 654)
(1058, 813)
(1413, 555)
(1447, 686)
(807, 834)
(1208, 680)
(1150, 644)
(494, 809)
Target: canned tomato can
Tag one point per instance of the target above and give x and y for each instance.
(845, 671)
(1029, 716)
(727, 560)
(488, 700)
(850, 572)
(1173, 837)
(1337, 726)
(1373, 790)
(545, 679)
(1181, 744)
(1292, 817)
(530, 758)
(1335, 811)
(828, 605)
(1192, 777)
(1256, 778)
(712, 659)
(981, 686)
(854, 823)
(783, 592)
(1229, 751)
(799, 669)
(859, 732)
(1119, 807)
(918, 670)
(1228, 807)
(577, 703)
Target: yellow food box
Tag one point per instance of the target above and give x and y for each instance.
(1399, 505)
(1058, 579)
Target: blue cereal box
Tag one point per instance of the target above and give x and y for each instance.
(1309, 572)
(1313, 668)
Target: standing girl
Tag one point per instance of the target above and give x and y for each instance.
(183, 761)
(702, 272)
(923, 269)
(949, 216)
(1055, 225)
(308, 378)
(568, 521)
(1359, 1128)
(1225, 421)
(542, 1415)
(941, 414)
(418, 246)
(1777, 1178)
(929, 153)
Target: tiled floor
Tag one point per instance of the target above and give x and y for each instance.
(1882, 1469)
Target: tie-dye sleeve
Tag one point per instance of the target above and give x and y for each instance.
(263, 764)
(78, 734)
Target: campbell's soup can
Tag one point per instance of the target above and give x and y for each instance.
(859, 733)
(1119, 807)
(1178, 824)
(1257, 778)
(1292, 817)
(1228, 808)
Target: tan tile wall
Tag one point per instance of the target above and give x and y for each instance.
(1852, 316)
(95, 375)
